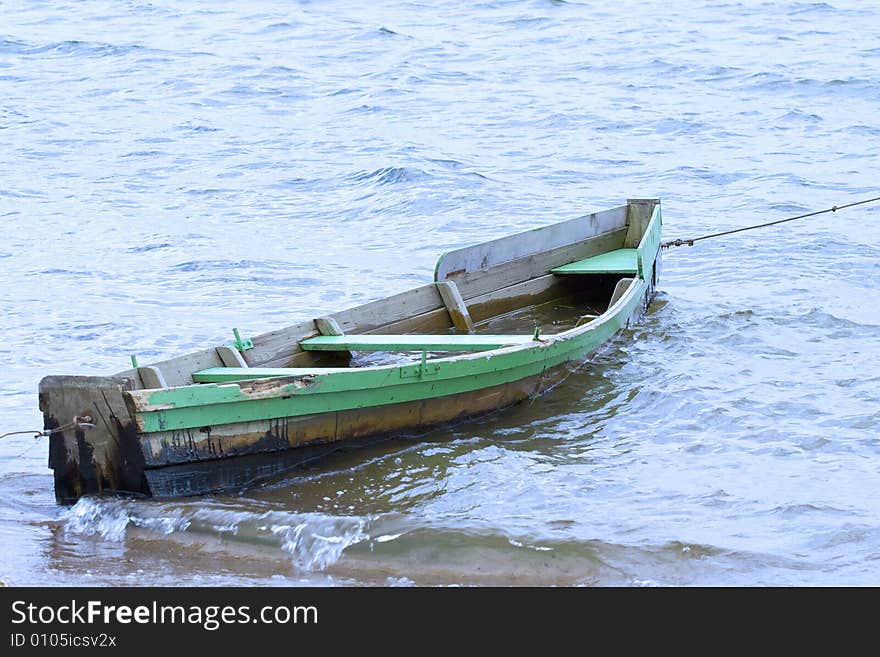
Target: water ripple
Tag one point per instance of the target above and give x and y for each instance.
(171, 171)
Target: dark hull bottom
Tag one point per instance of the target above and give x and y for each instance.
(234, 474)
(247, 472)
(373, 424)
(257, 452)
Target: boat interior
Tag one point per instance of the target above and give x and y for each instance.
(503, 292)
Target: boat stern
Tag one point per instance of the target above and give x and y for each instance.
(93, 444)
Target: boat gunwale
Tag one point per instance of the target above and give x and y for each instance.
(271, 357)
(172, 399)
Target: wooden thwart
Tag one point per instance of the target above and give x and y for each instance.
(619, 261)
(369, 342)
(225, 374)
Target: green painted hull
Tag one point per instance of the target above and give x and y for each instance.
(382, 401)
(212, 404)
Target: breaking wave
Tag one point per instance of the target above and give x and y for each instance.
(313, 540)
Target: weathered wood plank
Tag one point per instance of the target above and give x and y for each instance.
(638, 215)
(281, 347)
(513, 297)
(151, 377)
(178, 371)
(233, 474)
(230, 442)
(278, 346)
(328, 326)
(102, 457)
(477, 283)
(537, 241)
(436, 321)
(231, 357)
(458, 311)
(397, 307)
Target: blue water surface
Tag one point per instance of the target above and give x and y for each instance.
(173, 169)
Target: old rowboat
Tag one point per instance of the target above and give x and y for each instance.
(502, 322)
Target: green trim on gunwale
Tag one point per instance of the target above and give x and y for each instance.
(213, 404)
(649, 245)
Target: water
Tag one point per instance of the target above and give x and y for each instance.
(177, 168)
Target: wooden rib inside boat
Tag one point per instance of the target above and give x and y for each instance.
(502, 322)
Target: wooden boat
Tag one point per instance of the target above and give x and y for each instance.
(237, 414)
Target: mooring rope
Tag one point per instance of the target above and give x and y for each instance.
(34, 433)
(690, 242)
(84, 421)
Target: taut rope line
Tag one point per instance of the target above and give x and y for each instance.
(835, 208)
(84, 422)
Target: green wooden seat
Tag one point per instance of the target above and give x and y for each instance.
(367, 342)
(621, 261)
(224, 374)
